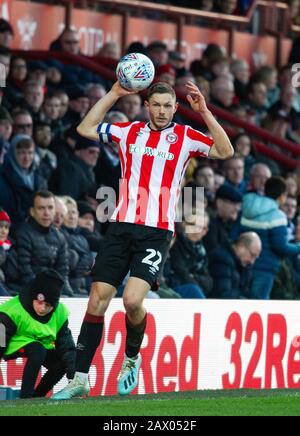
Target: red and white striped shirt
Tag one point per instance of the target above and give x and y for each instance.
(153, 165)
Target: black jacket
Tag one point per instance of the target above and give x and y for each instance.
(189, 263)
(37, 248)
(231, 279)
(74, 178)
(78, 244)
(220, 233)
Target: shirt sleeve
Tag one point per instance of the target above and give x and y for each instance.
(199, 144)
(111, 132)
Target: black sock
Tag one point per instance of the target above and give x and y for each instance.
(88, 341)
(135, 336)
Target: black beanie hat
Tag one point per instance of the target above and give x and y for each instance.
(47, 286)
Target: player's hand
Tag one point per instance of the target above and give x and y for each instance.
(120, 91)
(195, 98)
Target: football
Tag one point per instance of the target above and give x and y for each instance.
(135, 72)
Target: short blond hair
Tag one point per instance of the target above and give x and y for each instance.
(68, 201)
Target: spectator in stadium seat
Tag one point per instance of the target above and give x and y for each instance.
(189, 260)
(94, 92)
(50, 113)
(292, 185)
(268, 75)
(78, 105)
(69, 41)
(33, 99)
(22, 122)
(242, 144)
(15, 81)
(54, 77)
(235, 173)
(178, 61)
(131, 106)
(78, 245)
(5, 57)
(201, 67)
(284, 107)
(278, 124)
(257, 100)
(75, 176)
(241, 72)
(222, 92)
(259, 174)
(220, 67)
(181, 81)
(262, 214)
(6, 33)
(36, 327)
(5, 128)
(204, 176)
(224, 226)
(47, 160)
(290, 209)
(231, 266)
(38, 72)
(158, 53)
(64, 147)
(87, 223)
(64, 102)
(136, 47)
(19, 179)
(204, 86)
(166, 73)
(110, 50)
(60, 212)
(39, 245)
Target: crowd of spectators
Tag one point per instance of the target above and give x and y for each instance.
(249, 243)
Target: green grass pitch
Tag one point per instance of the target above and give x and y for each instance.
(200, 403)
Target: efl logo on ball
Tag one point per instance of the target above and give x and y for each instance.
(135, 72)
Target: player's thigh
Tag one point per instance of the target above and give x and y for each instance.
(113, 260)
(149, 255)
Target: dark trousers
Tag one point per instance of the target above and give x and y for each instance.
(37, 356)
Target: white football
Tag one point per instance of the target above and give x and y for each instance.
(135, 72)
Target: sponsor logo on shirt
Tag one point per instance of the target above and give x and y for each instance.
(152, 152)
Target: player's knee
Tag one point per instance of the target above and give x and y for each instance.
(132, 304)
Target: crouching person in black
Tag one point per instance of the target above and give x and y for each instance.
(36, 327)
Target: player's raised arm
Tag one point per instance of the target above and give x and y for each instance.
(222, 148)
(88, 126)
